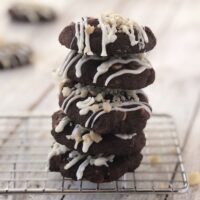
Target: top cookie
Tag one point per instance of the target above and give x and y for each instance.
(108, 35)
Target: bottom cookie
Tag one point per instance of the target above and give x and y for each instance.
(97, 169)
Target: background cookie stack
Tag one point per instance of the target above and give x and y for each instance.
(99, 129)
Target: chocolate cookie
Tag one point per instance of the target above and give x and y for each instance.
(107, 35)
(85, 141)
(14, 55)
(130, 73)
(97, 169)
(105, 111)
(31, 13)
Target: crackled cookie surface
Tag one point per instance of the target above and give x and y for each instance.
(96, 169)
(110, 34)
(14, 55)
(31, 13)
(129, 72)
(85, 141)
(103, 110)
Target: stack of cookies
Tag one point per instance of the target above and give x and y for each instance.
(98, 131)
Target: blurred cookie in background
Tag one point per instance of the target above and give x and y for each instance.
(14, 55)
(31, 13)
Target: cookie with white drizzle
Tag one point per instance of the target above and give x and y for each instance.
(85, 141)
(14, 55)
(31, 13)
(97, 169)
(105, 110)
(110, 34)
(130, 72)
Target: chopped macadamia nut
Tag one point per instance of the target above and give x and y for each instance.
(66, 91)
(94, 108)
(194, 178)
(99, 97)
(89, 29)
(154, 160)
(117, 66)
(84, 92)
(86, 137)
(95, 137)
(107, 107)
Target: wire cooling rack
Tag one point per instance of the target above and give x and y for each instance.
(25, 142)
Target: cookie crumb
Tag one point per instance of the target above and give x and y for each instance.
(194, 178)
(154, 160)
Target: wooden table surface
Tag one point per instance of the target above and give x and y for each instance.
(176, 24)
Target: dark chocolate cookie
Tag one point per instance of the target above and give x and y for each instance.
(107, 35)
(85, 141)
(129, 73)
(31, 13)
(105, 111)
(14, 55)
(97, 169)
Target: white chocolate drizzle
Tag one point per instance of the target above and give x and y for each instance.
(87, 49)
(108, 34)
(76, 135)
(105, 66)
(60, 127)
(83, 60)
(126, 136)
(100, 161)
(125, 71)
(57, 149)
(87, 139)
(79, 35)
(75, 159)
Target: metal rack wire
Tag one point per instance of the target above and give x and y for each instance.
(25, 142)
